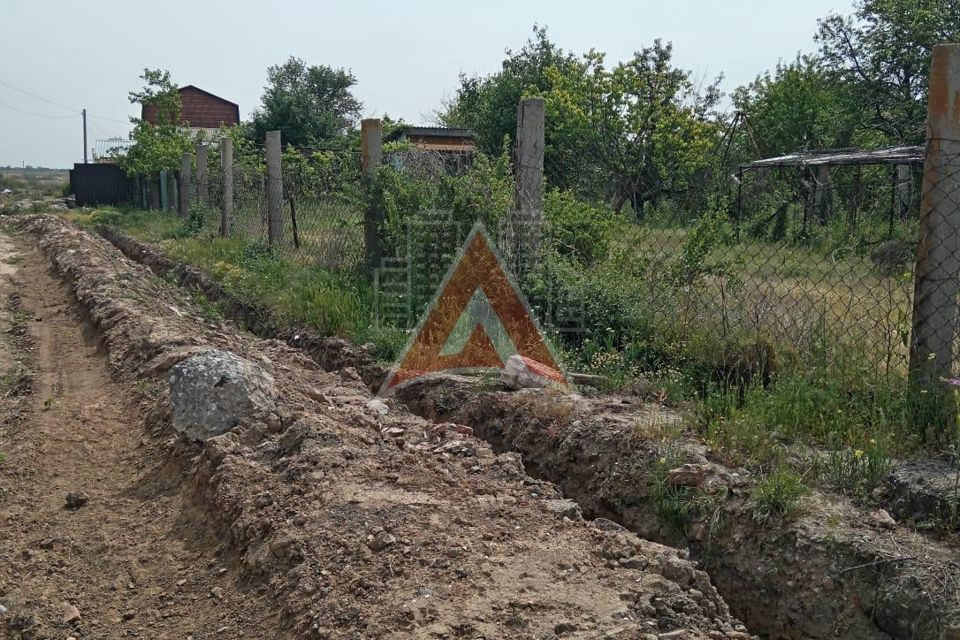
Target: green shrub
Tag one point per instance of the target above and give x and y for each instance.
(680, 506)
(577, 229)
(777, 496)
(484, 191)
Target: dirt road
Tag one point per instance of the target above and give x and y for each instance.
(128, 560)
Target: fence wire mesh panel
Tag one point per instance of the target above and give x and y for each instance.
(323, 203)
(249, 201)
(810, 263)
(433, 199)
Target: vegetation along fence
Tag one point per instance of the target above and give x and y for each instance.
(838, 268)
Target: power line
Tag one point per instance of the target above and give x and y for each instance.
(107, 119)
(36, 97)
(37, 115)
(57, 104)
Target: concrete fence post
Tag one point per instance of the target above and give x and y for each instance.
(529, 185)
(203, 176)
(938, 256)
(226, 186)
(371, 155)
(186, 163)
(274, 189)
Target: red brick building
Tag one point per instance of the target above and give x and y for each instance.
(200, 110)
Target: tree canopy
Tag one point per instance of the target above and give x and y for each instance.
(882, 53)
(643, 121)
(158, 145)
(309, 105)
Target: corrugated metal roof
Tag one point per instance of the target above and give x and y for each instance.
(451, 132)
(889, 155)
(432, 146)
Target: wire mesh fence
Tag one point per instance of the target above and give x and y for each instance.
(320, 197)
(809, 261)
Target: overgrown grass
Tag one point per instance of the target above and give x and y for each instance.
(300, 294)
(777, 496)
(771, 363)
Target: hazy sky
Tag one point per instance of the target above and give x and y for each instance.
(406, 55)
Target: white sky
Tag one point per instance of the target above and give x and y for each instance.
(406, 56)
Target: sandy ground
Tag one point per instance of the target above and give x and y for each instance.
(332, 519)
(128, 560)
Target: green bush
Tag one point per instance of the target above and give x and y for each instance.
(577, 229)
(777, 496)
(484, 191)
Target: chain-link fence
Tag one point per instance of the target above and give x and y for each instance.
(319, 221)
(785, 262)
(811, 260)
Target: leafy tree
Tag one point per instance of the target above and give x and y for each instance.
(644, 123)
(309, 104)
(487, 105)
(882, 55)
(799, 106)
(158, 145)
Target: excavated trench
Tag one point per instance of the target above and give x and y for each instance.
(836, 571)
(341, 519)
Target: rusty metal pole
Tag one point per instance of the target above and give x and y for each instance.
(937, 284)
(371, 155)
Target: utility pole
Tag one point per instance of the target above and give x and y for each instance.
(84, 136)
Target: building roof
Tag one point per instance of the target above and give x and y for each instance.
(196, 88)
(200, 109)
(826, 157)
(439, 132)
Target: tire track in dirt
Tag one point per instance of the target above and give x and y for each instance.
(129, 560)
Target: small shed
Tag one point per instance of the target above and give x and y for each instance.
(815, 165)
(444, 139)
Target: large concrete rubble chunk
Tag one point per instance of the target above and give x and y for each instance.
(210, 393)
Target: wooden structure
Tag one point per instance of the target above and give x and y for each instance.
(816, 164)
(444, 139)
(200, 110)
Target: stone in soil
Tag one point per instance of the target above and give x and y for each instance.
(76, 499)
(212, 392)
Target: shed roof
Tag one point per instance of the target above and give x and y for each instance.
(888, 155)
(445, 132)
(196, 88)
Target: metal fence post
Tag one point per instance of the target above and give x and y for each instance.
(904, 190)
(226, 186)
(203, 177)
(169, 194)
(371, 154)
(531, 120)
(938, 257)
(274, 189)
(821, 194)
(185, 168)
